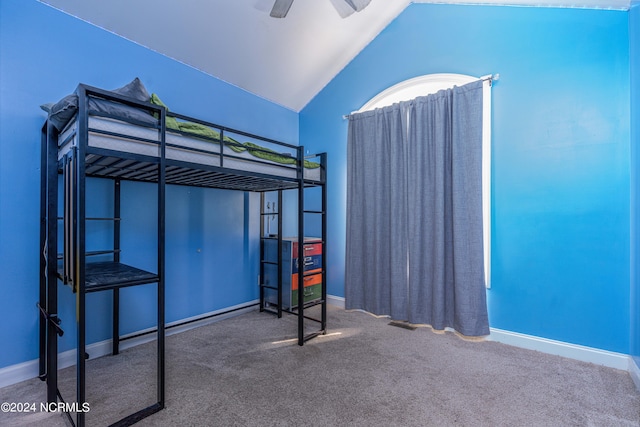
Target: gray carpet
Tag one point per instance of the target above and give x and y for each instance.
(246, 371)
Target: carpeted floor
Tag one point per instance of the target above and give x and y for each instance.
(247, 371)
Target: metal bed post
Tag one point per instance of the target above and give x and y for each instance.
(42, 300)
(116, 258)
(221, 148)
(51, 257)
(262, 251)
(79, 253)
(280, 272)
(323, 179)
(161, 259)
(301, 245)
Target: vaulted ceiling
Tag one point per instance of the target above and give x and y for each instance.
(286, 61)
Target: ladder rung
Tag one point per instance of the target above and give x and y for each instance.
(313, 319)
(308, 305)
(314, 303)
(313, 335)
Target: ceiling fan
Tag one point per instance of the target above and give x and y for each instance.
(343, 7)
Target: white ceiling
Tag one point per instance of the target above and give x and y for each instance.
(286, 61)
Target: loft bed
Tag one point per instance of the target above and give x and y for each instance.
(134, 130)
(127, 134)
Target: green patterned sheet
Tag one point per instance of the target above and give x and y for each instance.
(206, 132)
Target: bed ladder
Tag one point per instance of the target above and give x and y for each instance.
(271, 210)
(303, 213)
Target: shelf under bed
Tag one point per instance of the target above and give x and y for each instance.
(103, 275)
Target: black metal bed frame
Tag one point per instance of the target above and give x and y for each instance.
(83, 161)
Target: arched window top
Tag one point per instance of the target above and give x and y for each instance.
(417, 86)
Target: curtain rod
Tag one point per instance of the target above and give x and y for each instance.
(490, 77)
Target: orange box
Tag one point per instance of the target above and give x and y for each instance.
(309, 280)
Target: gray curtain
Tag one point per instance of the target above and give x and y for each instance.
(414, 211)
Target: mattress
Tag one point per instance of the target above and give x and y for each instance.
(121, 136)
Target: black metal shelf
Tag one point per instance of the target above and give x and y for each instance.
(105, 275)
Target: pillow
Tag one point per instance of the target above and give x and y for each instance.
(47, 107)
(114, 109)
(62, 111)
(135, 90)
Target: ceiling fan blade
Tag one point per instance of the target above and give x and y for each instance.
(280, 8)
(358, 5)
(342, 8)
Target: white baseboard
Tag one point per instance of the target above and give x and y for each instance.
(573, 351)
(335, 301)
(559, 348)
(634, 371)
(19, 372)
(26, 370)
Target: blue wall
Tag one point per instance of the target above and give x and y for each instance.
(211, 234)
(561, 176)
(634, 37)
